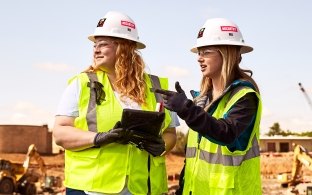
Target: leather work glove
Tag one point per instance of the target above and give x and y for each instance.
(174, 101)
(116, 134)
(154, 145)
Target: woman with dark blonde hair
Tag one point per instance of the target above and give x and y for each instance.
(222, 151)
(101, 157)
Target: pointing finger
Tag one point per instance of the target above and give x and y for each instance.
(164, 92)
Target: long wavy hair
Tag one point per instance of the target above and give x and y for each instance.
(129, 69)
(231, 71)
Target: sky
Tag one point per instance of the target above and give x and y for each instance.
(44, 43)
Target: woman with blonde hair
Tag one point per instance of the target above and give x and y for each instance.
(222, 152)
(101, 156)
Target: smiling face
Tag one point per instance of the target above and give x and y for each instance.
(104, 54)
(210, 61)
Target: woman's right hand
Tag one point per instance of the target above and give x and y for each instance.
(116, 134)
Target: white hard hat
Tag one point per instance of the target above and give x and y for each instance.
(116, 24)
(220, 31)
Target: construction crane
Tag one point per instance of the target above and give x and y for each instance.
(305, 94)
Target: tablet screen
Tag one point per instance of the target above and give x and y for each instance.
(141, 120)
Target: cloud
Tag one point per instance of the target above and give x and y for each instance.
(26, 113)
(175, 71)
(301, 121)
(299, 124)
(266, 112)
(55, 67)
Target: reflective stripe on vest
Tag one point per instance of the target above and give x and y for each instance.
(91, 115)
(226, 160)
(156, 85)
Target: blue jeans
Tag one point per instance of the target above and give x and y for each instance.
(70, 191)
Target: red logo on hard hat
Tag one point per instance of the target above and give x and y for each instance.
(228, 28)
(201, 32)
(101, 22)
(126, 23)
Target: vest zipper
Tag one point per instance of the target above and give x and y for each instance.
(194, 167)
(148, 174)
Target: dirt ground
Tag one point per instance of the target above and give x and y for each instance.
(272, 164)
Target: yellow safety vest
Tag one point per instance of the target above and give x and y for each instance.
(105, 169)
(212, 169)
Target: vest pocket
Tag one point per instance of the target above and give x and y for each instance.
(158, 175)
(221, 180)
(89, 153)
(159, 160)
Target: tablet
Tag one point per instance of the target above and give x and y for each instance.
(142, 120)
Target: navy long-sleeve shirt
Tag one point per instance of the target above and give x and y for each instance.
(233, 131)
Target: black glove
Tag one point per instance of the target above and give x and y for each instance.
(154, 145)
(117, 134)
(174, 101)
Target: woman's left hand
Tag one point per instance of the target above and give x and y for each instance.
(174, 101)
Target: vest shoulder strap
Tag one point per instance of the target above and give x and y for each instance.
(156, 85)
(94, 96)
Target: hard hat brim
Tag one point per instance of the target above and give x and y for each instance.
(140, 45)
(244, 48)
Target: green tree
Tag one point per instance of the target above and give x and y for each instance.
(275, 130)
(308, 134)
